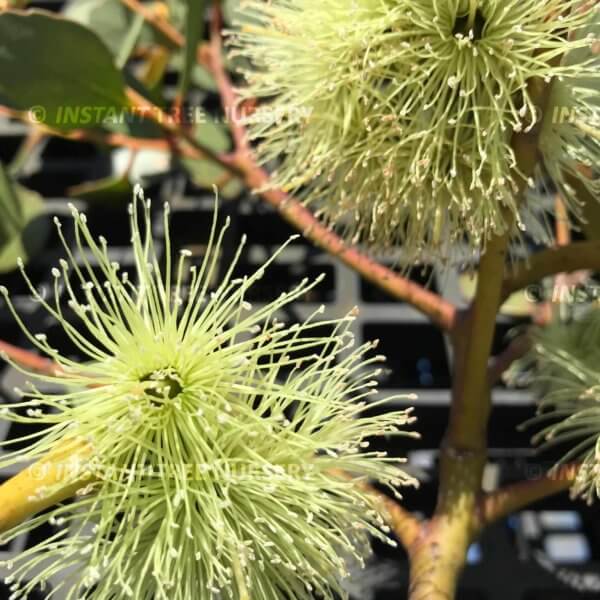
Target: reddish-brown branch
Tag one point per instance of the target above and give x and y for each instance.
(226, 91)
(434, 306)
(405, 525)
(568, 256)
(29, 360)
(512, 498)
(563, 230)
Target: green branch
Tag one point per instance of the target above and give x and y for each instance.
(510, 499)
(564, 259)
(437, 561)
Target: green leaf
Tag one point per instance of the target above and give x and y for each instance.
(206, 174)
(24, 227)
(109, 19)
(130, 40)
(204, 79)
(200, 76)
(194, 30)
(111, 191)
(57, 69)
(213, 135)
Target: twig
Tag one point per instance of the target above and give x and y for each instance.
(403, 523)
(226, 91)
(562, 281)
(510, 499)
(566, 259)
(440, 311)
(164, 27)
(100, 137)
(29, 360)
(156, 20)
(500, 363)
(563, 231)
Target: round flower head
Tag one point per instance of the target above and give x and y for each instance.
(215, 438)
(395, 117)
(570, 139)
(567, 380)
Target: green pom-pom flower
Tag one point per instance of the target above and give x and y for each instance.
(566, 376)
(395, 117)
(217, 438)
(570, 139)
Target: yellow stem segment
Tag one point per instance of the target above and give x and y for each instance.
(46, 482)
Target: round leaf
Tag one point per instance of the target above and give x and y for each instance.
(213, 135)
(35, 228)
(110, 19)
(58, 70)
(206, 174)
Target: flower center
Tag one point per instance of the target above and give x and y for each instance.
(166, 384)
(461, 25)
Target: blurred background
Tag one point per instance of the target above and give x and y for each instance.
(549, 552)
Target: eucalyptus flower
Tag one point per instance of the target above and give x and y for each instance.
(395, 117)
(570, 139)
(224, 452)
(567, 380)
